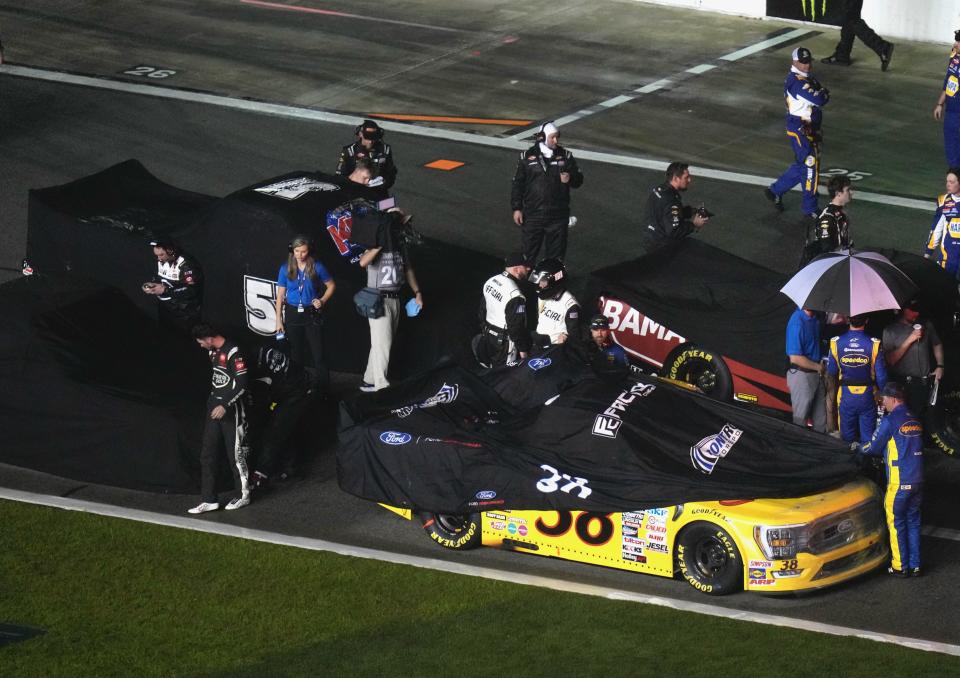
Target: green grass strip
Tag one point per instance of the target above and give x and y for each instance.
(120, 598)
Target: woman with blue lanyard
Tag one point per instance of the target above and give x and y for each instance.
(303, 289)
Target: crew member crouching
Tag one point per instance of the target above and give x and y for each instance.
(504, 337)
(559, 311)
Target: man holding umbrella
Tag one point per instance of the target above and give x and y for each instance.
(855, 368)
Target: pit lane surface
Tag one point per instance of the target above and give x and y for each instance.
(52, 133)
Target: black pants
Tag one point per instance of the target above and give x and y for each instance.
(276, 450)
(302, 330)
(916, 394)
(551, 231)
(180, 320)
(853, 26)
(491, 350)
(228, 433)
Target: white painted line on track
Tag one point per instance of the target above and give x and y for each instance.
(764, 44)
(510, 143)
(666, 82)
(209, 527)
(941, 532)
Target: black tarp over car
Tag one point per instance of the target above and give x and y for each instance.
(99, 226)
(449, 441)
(90, 390)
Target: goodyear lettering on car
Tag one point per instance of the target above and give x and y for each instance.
(686, 355)
(459, 541)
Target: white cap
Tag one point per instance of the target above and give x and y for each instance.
(549, 128)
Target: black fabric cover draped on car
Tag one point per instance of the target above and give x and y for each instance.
(450, 441)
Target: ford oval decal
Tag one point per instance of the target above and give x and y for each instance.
(395, 438)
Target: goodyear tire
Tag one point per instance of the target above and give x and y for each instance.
(451, 531)
(943, 426)
(702, 368)
(708, 559)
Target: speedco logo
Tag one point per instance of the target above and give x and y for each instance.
(911, 429)
(607, 425)
(854, 360)
(395, 438)
(711, 449)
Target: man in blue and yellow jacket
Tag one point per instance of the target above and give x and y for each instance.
(899, 440)
(855, 369)
(803, 97)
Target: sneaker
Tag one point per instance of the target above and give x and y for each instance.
(834, 60)
(885, 55)
(890, 571)
(258, 480)
(367, 388)
(204, 507)
(916, 572)
(774, 198)
(239, 502)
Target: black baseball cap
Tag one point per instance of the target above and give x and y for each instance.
(913, 304)
(599, 322)
(956, 36)
(892, 390)
(515, 259)
(803, 55)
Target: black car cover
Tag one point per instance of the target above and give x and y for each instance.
(98, 226)
(451, 442)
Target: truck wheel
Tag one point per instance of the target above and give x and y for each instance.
(452, 531)
(701, 368)
(709, 560)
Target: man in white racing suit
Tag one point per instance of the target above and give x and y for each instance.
(504, 337)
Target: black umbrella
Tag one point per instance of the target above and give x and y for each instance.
(850, 283)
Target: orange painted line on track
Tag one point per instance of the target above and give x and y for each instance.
(450, 118)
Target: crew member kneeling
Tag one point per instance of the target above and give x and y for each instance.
(899, 440)
(559, 311)
(504, 337)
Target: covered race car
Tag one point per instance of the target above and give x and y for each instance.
(697, 314)
(98, 227)
(628, 473)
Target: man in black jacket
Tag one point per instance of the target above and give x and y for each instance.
(292, 390)
(178, 285)
(370, 146)
(832, 231)
(667, 218)
(540, 196)
(226, 423)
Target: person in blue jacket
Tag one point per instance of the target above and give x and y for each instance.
(948, 105)
(804, 97)
(855, 369)
(899, 440)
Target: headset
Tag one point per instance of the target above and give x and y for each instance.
(376, 135)
(541, 135)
